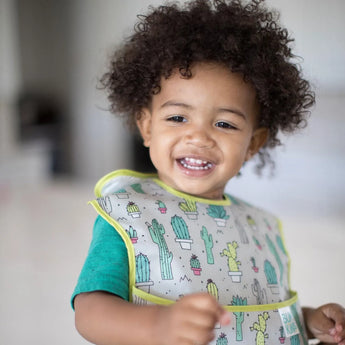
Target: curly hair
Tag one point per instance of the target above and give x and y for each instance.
(245, 37)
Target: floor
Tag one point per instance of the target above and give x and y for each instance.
(45, 232)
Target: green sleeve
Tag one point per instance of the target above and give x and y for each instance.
(106, 265)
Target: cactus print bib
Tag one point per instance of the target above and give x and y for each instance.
(178, 244)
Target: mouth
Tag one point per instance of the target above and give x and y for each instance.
(195, 164)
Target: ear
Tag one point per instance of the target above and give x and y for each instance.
(144, 126)
(258, 140)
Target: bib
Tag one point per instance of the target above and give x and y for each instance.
(178, 244)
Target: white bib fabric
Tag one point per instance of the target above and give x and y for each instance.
(178, 244)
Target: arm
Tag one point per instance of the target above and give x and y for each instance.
(326, 323)
(105, 319)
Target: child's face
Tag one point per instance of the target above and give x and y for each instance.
(201, 130)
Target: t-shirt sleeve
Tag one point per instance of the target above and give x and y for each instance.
(106, 265)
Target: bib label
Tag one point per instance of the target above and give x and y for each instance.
(289, 323)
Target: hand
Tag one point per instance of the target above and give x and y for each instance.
(191, 320)
(327, 323)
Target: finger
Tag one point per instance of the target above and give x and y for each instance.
(334, 311)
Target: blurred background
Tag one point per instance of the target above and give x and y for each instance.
(57, 140)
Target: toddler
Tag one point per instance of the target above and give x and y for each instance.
(174, 259)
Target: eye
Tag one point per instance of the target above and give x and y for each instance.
(225, 125)
(177, 118)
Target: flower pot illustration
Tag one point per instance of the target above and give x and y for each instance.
(181, 231)
(231, 253)
(218, 213)
(122, 194)
(189, 208)
(133, 210)
(235, 276)
(161, 207)
(132, 233)
(282, 335)
(195, 265)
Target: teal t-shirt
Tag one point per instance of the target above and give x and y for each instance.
(106, 265)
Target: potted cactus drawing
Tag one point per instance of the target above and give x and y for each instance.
(222, 339)
(254, 267)
(133, 210)
(132, 233)
(161, 207)
(271, 277)
(142, 272)
(195, 265)
(231, 253)
(181, 231)
(189, 208)
(122, 194)
(218, 213)
(282, 335)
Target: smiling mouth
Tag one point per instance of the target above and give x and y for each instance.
(195, 164)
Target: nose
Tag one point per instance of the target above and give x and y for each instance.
(200, 137)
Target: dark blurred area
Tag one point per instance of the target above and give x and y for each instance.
(42, 103)
(40, 118)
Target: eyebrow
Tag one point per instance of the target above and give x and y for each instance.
(188, 106)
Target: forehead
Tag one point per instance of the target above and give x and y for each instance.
(211, 85)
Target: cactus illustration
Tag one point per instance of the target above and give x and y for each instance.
(270, 273)
(132, 233)
(233, 264)
(189, 208)
(282, 335)
(239, 316)
(222, 339)
(157, 232)
(142, 272)
(105, 203)
(137, 188)
(271, 277)
(280, 244)
(257, 243)
(294, 340)
(218, 213)
(181, 231)
(161, 207)
(241, 231)
(254, 267)
(133, 210)
(274, 251)
(212, 289)
(195, 265)
(251, 223)
(260, 328)
(208, 240)
(260, 294)
(142, 275)
(268, 224)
